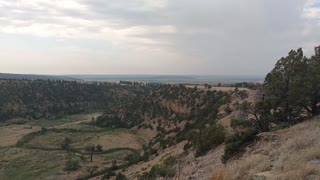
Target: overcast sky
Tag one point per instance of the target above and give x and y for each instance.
(197, 37)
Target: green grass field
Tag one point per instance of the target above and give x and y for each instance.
(40, 155)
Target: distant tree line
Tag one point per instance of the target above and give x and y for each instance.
(36, 99)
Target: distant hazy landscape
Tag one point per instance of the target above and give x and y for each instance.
(170, 79)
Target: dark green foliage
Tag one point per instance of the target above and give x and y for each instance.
(114, 165)
(228, 110)
(30, 136)
(66, 143)
(99, 148)
(187, 146)
(285, 86)
(90, 148)
(208, 138)
(121, 177)
(248, 85)
(133, 158)
(262, 113)
(54, 99)
(242, 123)
(166, 169)
(92, 169)
(281, 125)
(292, 87)
(130, 113)
(236, 142)
(108, 175)
(72, 165)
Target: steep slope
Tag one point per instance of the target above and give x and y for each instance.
(292, 153)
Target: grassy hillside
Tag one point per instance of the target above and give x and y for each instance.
(291, 153)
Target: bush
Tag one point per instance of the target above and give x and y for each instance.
(236, 142)
(187, 146)
(237, 122)
(108, 175)
(66, 143)
(133, 158)
(165, 169)
(279, 126)
(228, 110)
(121, 177)
(99, 148)
(72, 165)
(92, 169)
(208, 138)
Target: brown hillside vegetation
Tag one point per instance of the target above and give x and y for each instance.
(292, 153)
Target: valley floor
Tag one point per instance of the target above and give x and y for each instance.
(292, 153)
(41, 156)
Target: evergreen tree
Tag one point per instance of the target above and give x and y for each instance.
(285, 86)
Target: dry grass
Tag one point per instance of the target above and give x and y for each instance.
(9, 135)
(247, 167)
(119, 138)
(295, 154)
(138, 169)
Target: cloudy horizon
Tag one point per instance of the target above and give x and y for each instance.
(154, 36)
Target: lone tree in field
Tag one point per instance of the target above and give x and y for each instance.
(90, 149)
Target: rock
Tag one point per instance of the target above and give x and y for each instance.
(264, 152)
(268, 136)
(263, 176)
(314, 162)
(312, 177)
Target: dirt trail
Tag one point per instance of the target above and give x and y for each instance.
(72, 123)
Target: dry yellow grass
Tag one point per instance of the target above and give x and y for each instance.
(246, 167)
(9, 135)
(294, 154)
(133, 171)
(119, 139)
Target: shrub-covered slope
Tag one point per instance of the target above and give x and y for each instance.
(51, 99)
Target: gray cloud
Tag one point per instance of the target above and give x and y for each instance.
(182, 37)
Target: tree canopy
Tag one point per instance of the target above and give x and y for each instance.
(291, 90)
